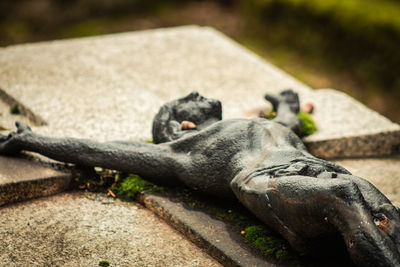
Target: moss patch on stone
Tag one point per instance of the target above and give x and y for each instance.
(309, 126)
(270, 244)
(104, 263)
(133, 185)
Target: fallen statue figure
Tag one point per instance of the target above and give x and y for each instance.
(309, 201)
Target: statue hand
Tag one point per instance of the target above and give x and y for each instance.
(11, 144)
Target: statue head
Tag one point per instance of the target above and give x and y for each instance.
(197, 109)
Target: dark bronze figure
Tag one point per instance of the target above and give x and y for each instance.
(310, 201)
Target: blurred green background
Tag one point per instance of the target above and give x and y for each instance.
(350, 45)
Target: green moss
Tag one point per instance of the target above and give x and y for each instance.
(104, 263)
(283, 255)
(309, 126)
(254, 232)
(133, 185)
(270, 245)
(235, 217)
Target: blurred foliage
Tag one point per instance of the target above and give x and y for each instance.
(349, 13)
(360, 36)
(25, 20)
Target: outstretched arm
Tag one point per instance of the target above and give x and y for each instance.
(155, 162)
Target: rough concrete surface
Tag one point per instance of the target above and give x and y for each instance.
(110, 87)
(81, 229)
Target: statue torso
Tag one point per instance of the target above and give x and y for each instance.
(236, 147)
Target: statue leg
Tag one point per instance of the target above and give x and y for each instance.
(286, 105)
(155, 162)
(306, 210)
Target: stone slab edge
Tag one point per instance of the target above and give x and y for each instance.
(349, 128)
(212, 235)
(380, 144)
(29, 189)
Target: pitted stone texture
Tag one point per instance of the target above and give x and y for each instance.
(77, 229)
(110, 87)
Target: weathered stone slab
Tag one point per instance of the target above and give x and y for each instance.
(22, 179)
(81, 229)
(109, 87)
(346, 128)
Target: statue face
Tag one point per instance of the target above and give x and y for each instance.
(198, 109)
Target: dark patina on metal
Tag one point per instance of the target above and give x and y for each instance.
(309, 201)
